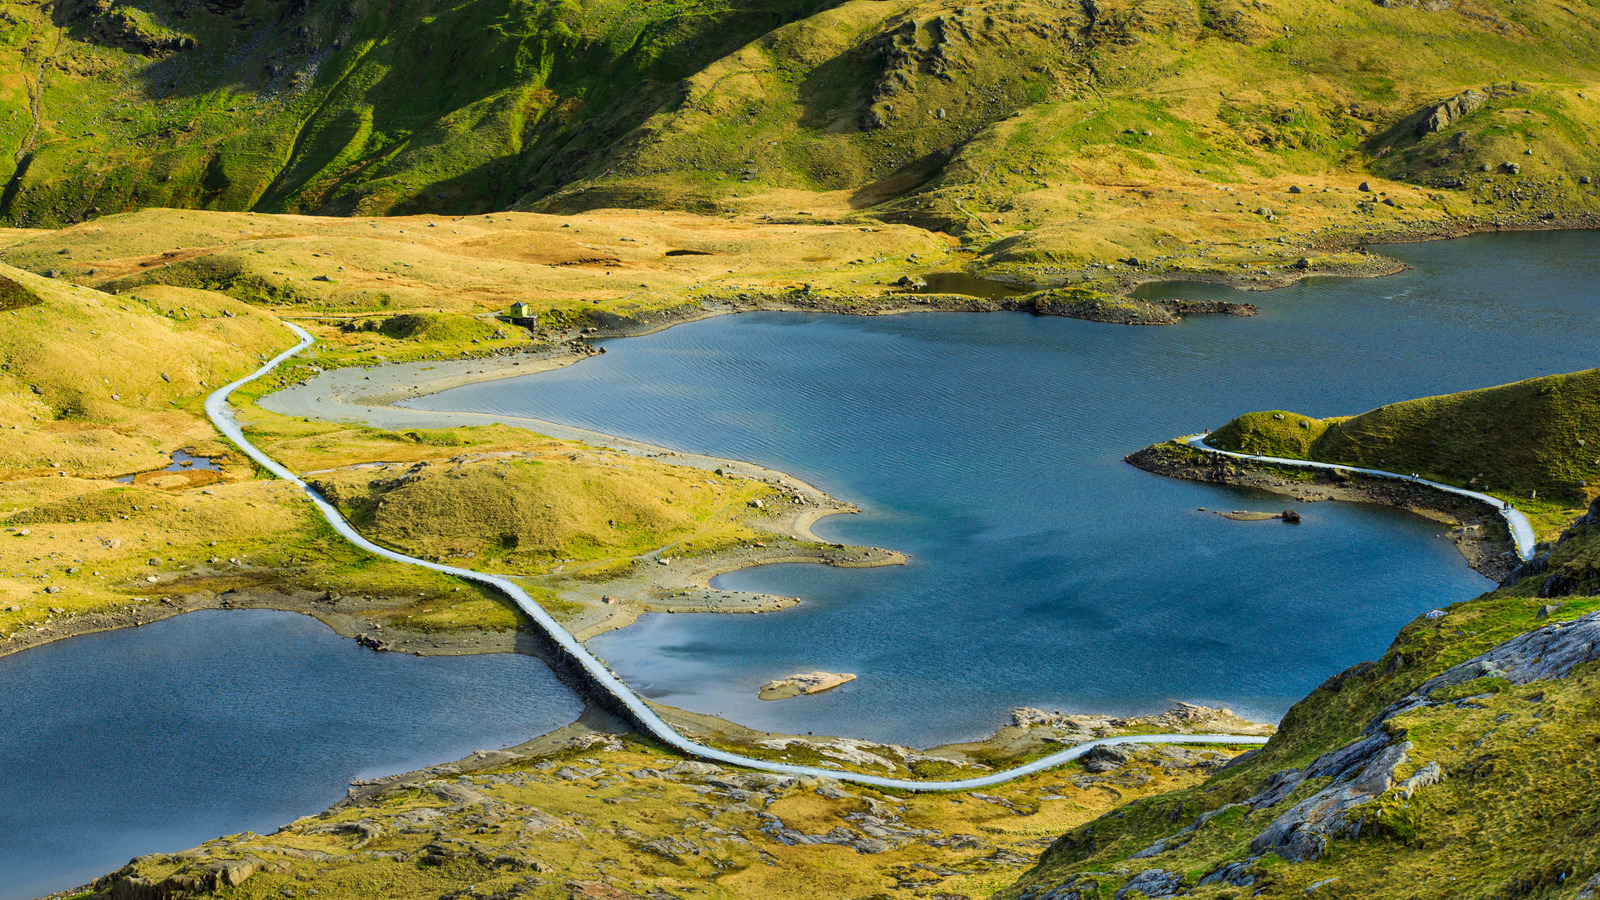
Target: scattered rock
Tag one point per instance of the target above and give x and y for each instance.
(1106, 758)
(1364, 188)
(598, 890)
(1152, 883)
(1237, 874)
(1294, 188)
(1290, 516)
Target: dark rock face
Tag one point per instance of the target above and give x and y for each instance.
(1107, 758)
(1237, 874)
(1078, 887)
(1153, 883)
(1210, 307)
(1564, 577)
(1364, 769)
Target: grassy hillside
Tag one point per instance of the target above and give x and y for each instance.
(1060, 133)
(334, 106)
(613, 266)
(95, 387)
(1390, 781)
(1541, 435)
(106, 526)
(531, 511)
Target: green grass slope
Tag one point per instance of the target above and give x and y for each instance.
(1473, 786)
(334, 107)
(1541, 435)
(1059, 132)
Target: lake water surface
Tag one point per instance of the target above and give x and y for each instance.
(155, 739)
(1045, 571)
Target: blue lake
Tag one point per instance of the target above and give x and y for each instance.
(1045, 571)
(158, 738)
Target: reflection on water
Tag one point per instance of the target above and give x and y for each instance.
(1045, 571)
(181, 462)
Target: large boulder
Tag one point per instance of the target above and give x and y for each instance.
(1447, 112)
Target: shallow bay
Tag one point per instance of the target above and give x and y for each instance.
(157, 738)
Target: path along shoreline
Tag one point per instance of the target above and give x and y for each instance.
(1522, 535)
(605, 683)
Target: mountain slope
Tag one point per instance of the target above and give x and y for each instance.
(1067, 132)
(1456, 766)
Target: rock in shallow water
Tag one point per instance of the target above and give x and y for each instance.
(804, 683)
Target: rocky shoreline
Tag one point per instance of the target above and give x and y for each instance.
(1477, 531)
(267, 590)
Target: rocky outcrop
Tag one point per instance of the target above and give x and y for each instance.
(1106, 758)
(1364, 770)
(1361, 772)
(1238, 874)
(1562, 572)
(206, 878)
(1153, 883)
(1079, 303)
(1446, 113)
(1078, 887)
(804, 683)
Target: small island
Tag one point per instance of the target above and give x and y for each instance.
(804, 683)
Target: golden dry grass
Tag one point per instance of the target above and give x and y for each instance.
(615, 259)
(636, 833)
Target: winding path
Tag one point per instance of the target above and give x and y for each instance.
(1521, 529)
(643, 716)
